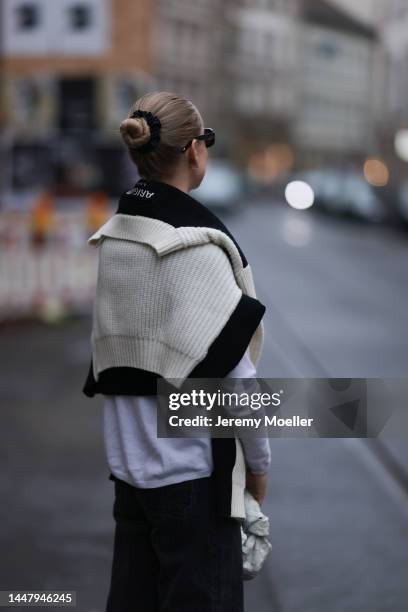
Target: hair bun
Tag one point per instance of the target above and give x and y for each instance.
(135, 132)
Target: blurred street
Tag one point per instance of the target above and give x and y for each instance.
(336, 294)
(305, 102)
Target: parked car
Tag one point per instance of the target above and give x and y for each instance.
(223, 187)
(346, 192)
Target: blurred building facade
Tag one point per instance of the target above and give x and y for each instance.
(339, 86)
(263, 66)
(308, 83)
(278, 76)
(187, 44)
(281, 81)
(394, 28)
(70, 71)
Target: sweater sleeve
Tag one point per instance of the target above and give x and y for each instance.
(257, 451)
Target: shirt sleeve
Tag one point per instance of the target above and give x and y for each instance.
(257, 451)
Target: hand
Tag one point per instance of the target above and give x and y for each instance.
(256, 485)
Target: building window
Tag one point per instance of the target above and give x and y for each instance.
(28, 16)
(80, 16)
(126, 92)
(27, 99)
(327, 48)
(77, 104)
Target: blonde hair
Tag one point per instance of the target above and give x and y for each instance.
(180, 122)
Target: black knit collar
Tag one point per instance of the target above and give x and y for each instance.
(165, 202)
(155, 193)
(161, 189)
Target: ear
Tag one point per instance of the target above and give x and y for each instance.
(193, 154)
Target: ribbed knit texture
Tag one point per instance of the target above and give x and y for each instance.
(163, 295)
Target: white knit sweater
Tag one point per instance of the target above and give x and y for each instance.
(164, 294)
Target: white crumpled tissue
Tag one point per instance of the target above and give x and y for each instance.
(254, 536)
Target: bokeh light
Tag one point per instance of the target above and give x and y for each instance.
(297, 230)
(401, 144)
(376, 172)
(266, 165)
(299, 195)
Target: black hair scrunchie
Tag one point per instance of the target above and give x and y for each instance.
(155, 125)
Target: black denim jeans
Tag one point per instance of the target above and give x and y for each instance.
(172, 552)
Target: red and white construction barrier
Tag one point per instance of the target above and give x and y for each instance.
(48, 282)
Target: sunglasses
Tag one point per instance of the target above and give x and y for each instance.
(208, 137)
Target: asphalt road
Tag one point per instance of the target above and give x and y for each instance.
(336, 297)
(336, 294)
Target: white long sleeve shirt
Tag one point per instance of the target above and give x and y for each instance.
(136, 455)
